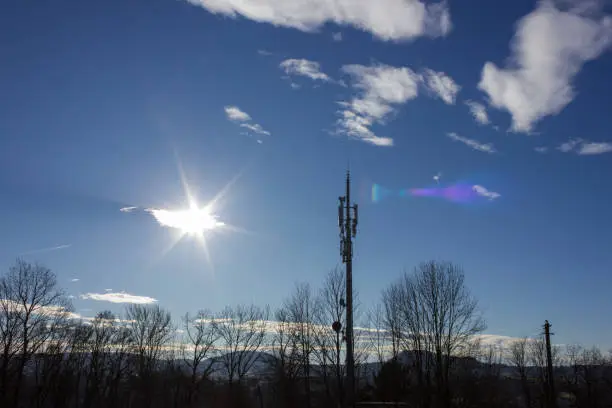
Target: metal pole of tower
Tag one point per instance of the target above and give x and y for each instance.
(347, 221)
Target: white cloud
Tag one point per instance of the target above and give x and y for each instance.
(255, 128)
(595, 148)
(549, 48)
(585, 148)
(128, 209)
(74, 280)
(569, 145)
(118, 297)
(385, 19)
(304, 67)
(380, 89)
(337, 37)
(265, 53)
(487, 148)
(541, 149)
(478, 111)
(441, 85)
(483, 192)
(234, 113)
(437, 177)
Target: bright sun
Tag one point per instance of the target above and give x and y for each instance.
(194, 221)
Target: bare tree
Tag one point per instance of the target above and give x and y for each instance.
(438, 318)
(151, 329)
(301, 310)
(519, 358)
(100, 347)
(241, 331)
(537, 357)
(119, 367)
(588, 383)
(32, 306)
(379, 336)
(286, 357)
(201, 336)
(329, 351)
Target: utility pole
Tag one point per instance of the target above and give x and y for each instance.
(552, 399)
(347, 221)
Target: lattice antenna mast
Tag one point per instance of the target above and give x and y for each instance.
(348, 217)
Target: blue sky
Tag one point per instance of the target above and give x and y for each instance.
(102, 101)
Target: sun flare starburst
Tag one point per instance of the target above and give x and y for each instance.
(193, 221)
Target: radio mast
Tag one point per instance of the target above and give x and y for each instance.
(347, 221)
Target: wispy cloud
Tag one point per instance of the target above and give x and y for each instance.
(235, 114)
(265, 53)
(541, 149)
(305, 68)
(441, 85)
(74, 280)
(478, 111)
(337, 36)
(437, 177)
(483, 192)
(394, 20)
(48, 249)
(595, 148)
(569, 145)
(549, 48)
(118, 297)
(380, 89)
(483, 147)
(255, 128)
(584, 148)
(128, 209)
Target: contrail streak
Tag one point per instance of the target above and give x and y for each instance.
(55, 248)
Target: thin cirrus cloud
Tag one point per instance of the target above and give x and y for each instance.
(483, 192)
(237, 115)
(550, 46)
(478, 111)
(441, 85)
(389, 20)
(128, 209)
(482, 147)
(305, 68)
(47, 249)
(379, 90)
(584, 148)
(255, 128)
(118, 297)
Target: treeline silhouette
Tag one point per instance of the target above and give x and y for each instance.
(419, 347)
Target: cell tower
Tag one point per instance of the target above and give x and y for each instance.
(347, 221)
